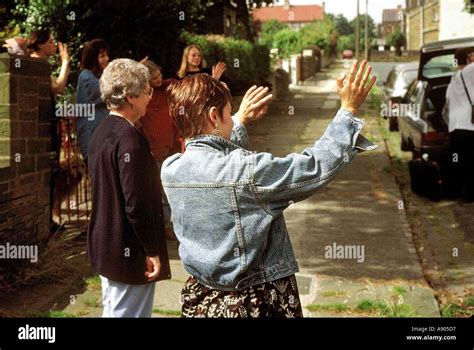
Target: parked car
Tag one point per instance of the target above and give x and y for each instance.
(396, 86)
(422, 128)
(347, 54)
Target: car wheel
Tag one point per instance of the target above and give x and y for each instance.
(392, 124)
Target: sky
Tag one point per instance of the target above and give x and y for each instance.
(349, 7)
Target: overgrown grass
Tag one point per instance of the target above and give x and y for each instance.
(469, 301)
(60, 314)
(336, 307)
(94, 282)
(166, 312)
(92, 301)
(370, 305)
(366, 306)
(375, 98)
(454, 310)
(333, 293)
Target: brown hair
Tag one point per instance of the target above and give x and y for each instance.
(152, 67)
(191, 99)
(461, 55)
(90, 55)
(38, 37)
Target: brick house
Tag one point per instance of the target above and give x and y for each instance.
(220, 19)
(434, 20)
(392, 20)
(295, 17)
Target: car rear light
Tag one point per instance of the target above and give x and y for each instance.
(431, 137)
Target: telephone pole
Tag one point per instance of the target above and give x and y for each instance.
(357, 32)
(366, 30)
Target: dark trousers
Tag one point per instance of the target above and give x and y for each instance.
(461, 169)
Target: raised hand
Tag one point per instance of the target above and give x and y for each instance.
(63, 53)
(254, 104)
(218, 69)
(354, 90)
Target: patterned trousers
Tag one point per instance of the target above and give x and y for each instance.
(277, 299)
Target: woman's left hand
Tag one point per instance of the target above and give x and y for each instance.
(254, 105)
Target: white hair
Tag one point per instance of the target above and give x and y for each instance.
(123, 77)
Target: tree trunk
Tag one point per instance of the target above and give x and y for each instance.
(243, 19)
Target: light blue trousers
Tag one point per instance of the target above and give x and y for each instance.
(127, 300)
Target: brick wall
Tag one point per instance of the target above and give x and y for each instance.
(430, 17)
(25, 138)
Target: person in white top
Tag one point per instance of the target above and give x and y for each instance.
(460, 117)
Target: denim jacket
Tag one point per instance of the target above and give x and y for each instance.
(227, 203)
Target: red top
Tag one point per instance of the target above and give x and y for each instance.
(158, 126)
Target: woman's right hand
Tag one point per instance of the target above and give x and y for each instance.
(218, 69)
(355, 89)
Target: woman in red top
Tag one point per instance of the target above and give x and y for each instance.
(157, 124)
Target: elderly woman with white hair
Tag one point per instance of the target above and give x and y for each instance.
(126, 243)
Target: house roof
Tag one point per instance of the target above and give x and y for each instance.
(390, 15)
(304, 13)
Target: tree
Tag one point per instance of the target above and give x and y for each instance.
(346, 42)
(288, 42)
(371, 25)
(321, 33)
(153, 30)
(469, 6)
(342, 25)
(398, 40)
(269, 29)
(371, 34)
(243, 17)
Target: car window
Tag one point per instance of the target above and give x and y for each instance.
(440, 66)
(391, 79)
(419, 92)
(412, 93)
(408, 76)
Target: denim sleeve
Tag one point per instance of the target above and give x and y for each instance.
(239, 134)
(282, 181)
(88, 90)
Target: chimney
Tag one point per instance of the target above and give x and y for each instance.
(286, 6)
(324, 7)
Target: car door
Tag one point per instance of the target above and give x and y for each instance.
(415, 125)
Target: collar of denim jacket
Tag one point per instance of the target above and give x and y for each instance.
(210, 141)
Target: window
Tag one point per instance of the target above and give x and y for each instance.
(440, 66)
(408, 76)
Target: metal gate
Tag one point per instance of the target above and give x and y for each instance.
(72, 196)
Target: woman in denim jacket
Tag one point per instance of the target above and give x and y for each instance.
(95, 58)
(227, 203)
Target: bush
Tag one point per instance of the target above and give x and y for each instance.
(398, 40)
(288, 42)
(346, 42)
(269, 29)
(320, 33)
